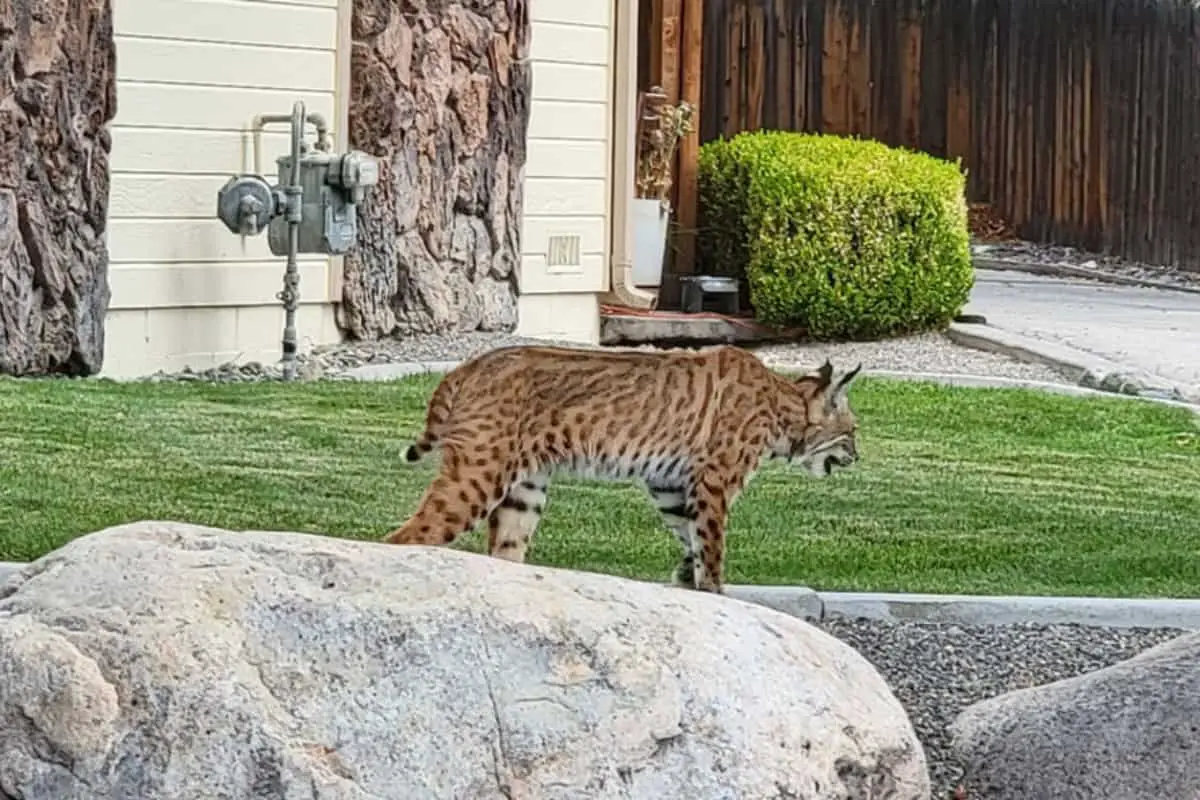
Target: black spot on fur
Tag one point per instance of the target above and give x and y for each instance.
(679, 511)
(685, 573)
(520, 506)
(516, 505)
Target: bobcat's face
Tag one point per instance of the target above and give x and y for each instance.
(825, 439)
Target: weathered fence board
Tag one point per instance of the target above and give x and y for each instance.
(1079, 120)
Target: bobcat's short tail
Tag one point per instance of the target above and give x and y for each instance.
(418, 449)
(441, 404)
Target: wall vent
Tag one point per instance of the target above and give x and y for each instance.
(563, 251)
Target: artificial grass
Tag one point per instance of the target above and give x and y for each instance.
(958, 490)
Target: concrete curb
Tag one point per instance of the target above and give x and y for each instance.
(1071, 271)
(1086, 369)
(795, 601)
(979, 610)
(387, 372)
(1075, 364)
(1014, 610)
(976, 610)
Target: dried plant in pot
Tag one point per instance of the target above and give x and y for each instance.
(660, 128)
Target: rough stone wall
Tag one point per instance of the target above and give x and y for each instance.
(57, 96)
(440, 93)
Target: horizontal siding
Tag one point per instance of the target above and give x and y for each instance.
(279, 26)
(590, 230)
(537, 278)
(212, 108)
(567, 196)
(248, 283)
(567, 185)
(191, 76)
(576, 83)
(192, 152)
(585, 13)
(164, 196)
(552, 158)
(186, 241)
(225, 66)
(570, 120)
(173, 338)
(566, 43)
(566, 316)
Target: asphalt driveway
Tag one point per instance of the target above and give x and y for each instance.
(1154, 331)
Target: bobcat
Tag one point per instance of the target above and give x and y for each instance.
(693, 425)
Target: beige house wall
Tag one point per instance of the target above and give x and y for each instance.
(191, 74)
(568, 181)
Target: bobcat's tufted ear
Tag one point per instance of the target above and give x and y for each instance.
(822, 376)
(842, 386)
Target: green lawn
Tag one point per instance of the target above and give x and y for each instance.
(962, 490)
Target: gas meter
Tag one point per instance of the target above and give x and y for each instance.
(313, 209)
(331, 187)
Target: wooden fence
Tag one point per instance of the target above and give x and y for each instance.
(1078, 120)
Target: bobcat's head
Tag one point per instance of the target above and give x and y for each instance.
(821, 436)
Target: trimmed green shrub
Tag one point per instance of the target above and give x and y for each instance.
(847, 238)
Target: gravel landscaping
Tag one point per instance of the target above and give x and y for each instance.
(931, 352)
(329, 361)
(938, 669)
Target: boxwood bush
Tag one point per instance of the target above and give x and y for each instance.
(847, 238)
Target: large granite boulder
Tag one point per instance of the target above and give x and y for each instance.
(162, 660)
(1126, 732)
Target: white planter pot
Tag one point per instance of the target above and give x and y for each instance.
(650, 225)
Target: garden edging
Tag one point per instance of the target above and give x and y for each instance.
(806, 603)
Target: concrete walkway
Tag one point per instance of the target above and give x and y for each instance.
(1149, 332)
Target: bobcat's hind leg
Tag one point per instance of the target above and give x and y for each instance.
(512, 524)
(679, 515)
(453, 504)
(712, 510)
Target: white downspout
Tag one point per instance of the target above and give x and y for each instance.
(624, 156)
